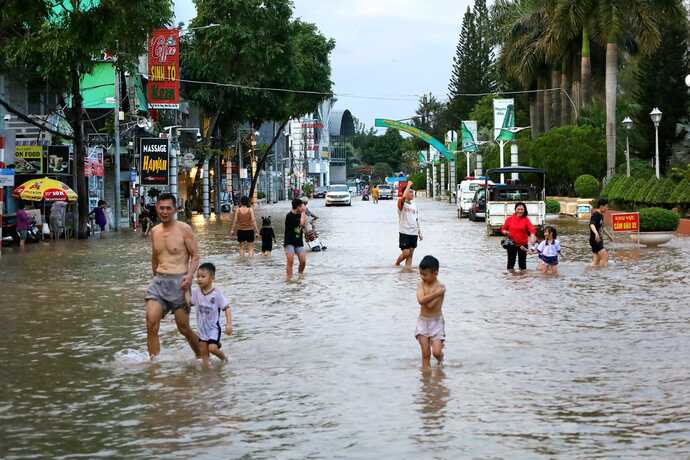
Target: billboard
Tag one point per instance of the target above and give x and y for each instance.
(469, 136)
(93, 163)
(163, 88)
(504, 119)
(625, 222)
(29, 159)
(154, 161)
(58, 159)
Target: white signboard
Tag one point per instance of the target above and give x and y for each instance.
(6, 177)
(503, 107)
(243, 173)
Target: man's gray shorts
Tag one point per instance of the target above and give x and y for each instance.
(290, 249)
(165, 289)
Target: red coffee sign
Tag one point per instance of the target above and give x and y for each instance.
(163, 90)
(625, 222)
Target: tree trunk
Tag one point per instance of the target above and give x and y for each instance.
(611, 87)
(548, 96)
(78, 129)
(262, 161)
(533, 115)
(566, 106)
(585, 70)
(575, 86)
(555, 98)
(539, 120)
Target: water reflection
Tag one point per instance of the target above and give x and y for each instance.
(431, 402)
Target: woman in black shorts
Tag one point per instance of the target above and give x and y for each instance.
(245, 222)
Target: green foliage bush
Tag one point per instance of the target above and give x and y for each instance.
(260, 195)
(552, 206)
(587, 186)
(681, 193)
(419, 180)
(662, 192)
(609, 185)
(630, 193)
(619, 190)
(641, 195)
(658, 220)
(308, 189)
(639, 169)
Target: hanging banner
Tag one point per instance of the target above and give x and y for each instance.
(93, 163)
(58, 160)
(452, 141)
(504, 119)
(422, 159)
(154, 161)
(163, 88)
(625, 221)
(29, 159)
(469, 136)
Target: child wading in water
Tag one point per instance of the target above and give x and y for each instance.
(430, 331)
(210, 302)
(548, 251)
(268, 236)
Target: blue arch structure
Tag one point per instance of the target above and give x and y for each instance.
(418, 133)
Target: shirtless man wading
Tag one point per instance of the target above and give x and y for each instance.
(174, 259)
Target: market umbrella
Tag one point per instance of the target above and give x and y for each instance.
(44, 189)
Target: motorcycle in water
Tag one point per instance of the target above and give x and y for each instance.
(314, 242)
(365, 194)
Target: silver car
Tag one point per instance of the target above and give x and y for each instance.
(385, 192)
(338, 195)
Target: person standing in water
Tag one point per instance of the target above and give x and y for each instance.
(247, 229)
(174, 260)
(408, 227)
(295, 221)
(520, 232)
(600, 256)
(431, 328)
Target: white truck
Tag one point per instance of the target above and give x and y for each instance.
(465, 194)
(503, 197)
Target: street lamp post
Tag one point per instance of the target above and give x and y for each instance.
(656, 119)
(627, 124)
(502, 143)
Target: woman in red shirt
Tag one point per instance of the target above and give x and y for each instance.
(519, 229)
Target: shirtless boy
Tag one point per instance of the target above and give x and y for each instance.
(174, 259)
(430, 331)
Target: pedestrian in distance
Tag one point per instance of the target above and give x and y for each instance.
(375, 194)
(57, 218)
(268, 236)
(23, 223)
(295, 220)
(519, 232)
(247, 229)
(99, 215)
(174, 260)
(549, 249)
(146, 222)
(430, 331)
(408, 227)
(209, 303)
(600, 256)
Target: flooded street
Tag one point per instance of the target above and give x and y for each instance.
(593, 363)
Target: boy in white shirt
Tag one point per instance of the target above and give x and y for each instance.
(210, 302)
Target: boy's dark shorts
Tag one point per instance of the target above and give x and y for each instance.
(407, 241)
(596, 246)
(212, 342)
(165, 289)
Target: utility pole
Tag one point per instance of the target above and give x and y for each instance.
(116, 209)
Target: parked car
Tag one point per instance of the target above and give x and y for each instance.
(320, 192)
(338, 194)
(502, 198)
(465, 194)
(385, 192)
(478, 207)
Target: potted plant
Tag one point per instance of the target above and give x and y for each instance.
(657, 226)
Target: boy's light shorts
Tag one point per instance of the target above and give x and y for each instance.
(434, 328)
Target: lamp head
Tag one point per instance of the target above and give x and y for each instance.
(656, 116)
(627, 123)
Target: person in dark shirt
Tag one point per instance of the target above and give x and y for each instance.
(268, 236)
(295, 221)
(600, 257)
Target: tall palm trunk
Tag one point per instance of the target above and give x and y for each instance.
(539, 119)
(555, 98)
(533, 115)
(547, 104)
(566, 107)
(585, 70)
(611, 86)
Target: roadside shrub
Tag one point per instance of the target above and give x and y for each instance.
(587, 186)
(680, 193)
(639, 169)
(641, 195)
(260, 195)
(631, 192)
(619, 191)
(308, 189)
(609, 185)
(658, 220)
(419, 180)
(662, 192)
(552, 206)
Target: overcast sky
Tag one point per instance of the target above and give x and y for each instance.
(384, 49)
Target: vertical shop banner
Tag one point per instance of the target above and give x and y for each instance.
(163, 88)
(504, 119)
(58, 160)
(93, 163)
(154, 161)
(469, 136)
(29, 160)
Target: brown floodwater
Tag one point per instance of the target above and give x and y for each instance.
(592, 363)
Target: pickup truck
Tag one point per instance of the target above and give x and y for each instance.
(503, 197)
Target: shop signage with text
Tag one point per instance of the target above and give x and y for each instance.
(29, 159)
(163, 89)
(154, 161)
(625, 222)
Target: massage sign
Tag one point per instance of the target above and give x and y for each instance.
(163, 88)
(154, 161)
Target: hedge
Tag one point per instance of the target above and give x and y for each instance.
(658, 220)
(620, 189)
(641, 195)
(552, 206)
(681, 193)
(630, 193)
(586, 186)
(662, 193)
(609, 185)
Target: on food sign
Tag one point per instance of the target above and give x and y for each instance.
(163, 89)
(625, 222)
(154, 161)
